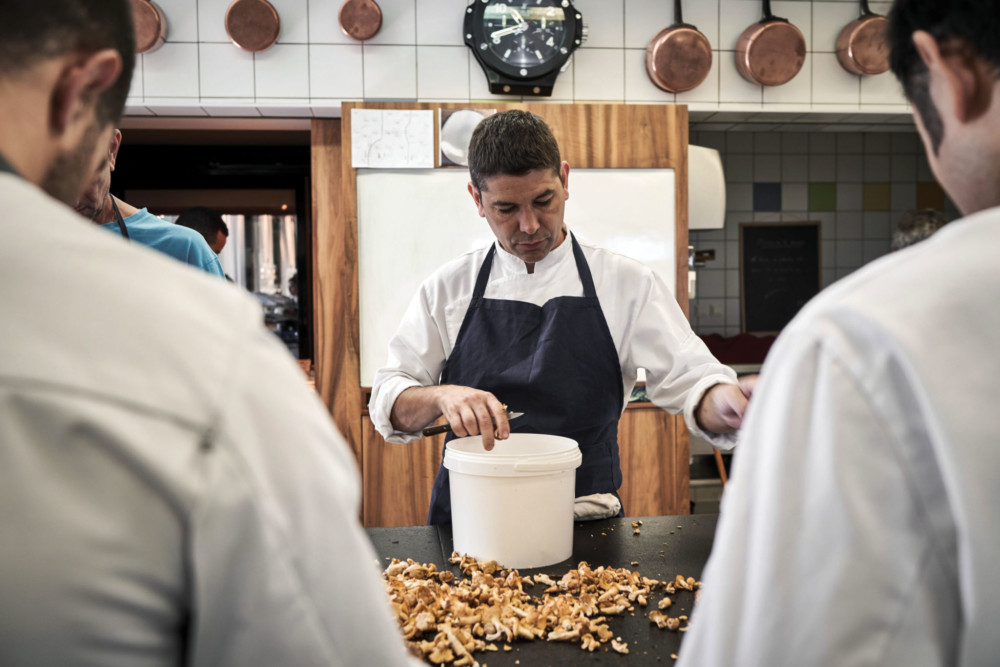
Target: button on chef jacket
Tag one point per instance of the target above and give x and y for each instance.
(861, 524)
(647, 326)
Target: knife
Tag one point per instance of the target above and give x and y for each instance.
(444, 428)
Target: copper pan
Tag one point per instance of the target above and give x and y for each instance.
(770, 52)
(360, 19)
(679, 57)
(253, 25)
(863, 44)
(150, 26)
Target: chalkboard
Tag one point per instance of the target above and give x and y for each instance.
(779, 272)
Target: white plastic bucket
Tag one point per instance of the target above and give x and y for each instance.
(514, 504)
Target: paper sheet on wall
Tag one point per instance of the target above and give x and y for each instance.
(392, 139)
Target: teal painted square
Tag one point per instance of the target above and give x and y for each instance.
(822, 196)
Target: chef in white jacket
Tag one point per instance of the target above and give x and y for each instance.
(171, 492)
(550, 325)
(860, 526)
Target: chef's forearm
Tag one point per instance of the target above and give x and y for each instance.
(415, 408)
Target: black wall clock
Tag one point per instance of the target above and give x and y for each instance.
(522, 45)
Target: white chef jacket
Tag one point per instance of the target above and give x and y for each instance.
(861, 526)
(171, 491)
(648, 328)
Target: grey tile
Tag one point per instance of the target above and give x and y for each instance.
(794, 143)
(733, 283)
(822, 168)
(904, 168)
(766, 168)
(711, 284)
(876, 168)
(766, 143)
(878, 225)
(850, 225)
(850, 168)
(795, 169)
(794, 197)
(849, 197)
(822, 142)
(849, 254)
(874, 249)
(877, 142)
(850, 142)
(739, 168)
(739, 142)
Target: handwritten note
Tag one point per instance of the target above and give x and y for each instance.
(391, 139)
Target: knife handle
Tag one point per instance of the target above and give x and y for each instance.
(435, 430)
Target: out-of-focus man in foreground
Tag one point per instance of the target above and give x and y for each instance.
(170, 490)
(860, 527)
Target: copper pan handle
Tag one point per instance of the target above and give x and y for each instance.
(678, 15)
(865, 10)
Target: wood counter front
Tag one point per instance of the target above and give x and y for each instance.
(655, 470)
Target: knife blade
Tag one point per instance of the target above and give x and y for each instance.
(444, 428)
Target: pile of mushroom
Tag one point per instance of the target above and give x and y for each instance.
(447, 620)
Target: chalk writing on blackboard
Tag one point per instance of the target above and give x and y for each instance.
(779, 272)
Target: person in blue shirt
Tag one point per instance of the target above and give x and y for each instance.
(139, 225)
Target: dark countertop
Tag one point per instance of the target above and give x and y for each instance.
(666, 546)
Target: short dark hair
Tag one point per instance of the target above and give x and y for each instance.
(203, 220)
(915, 226)
(512, 143)
(975, 24)
(36, 30)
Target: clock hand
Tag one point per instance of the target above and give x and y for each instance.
(516, 15)
(506, 31)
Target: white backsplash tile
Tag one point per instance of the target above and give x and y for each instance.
(439, 22)
(390, 72)
(294, 21)
(282, 71)
(336, 71)
(645, 18)
(605, 20)
(324, 25)
(831, 82)
(226, 71)
(638, 86)
(399, 23)
(172, 71)
(212, 20)
(442, 73)
(599, 75)
(182, 19)
(829, 18)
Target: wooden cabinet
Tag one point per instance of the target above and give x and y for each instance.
(654, 455)
(654, 447)
(397, 479)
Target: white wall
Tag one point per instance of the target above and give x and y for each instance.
(419, 56)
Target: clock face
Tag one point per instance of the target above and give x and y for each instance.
(525, 34)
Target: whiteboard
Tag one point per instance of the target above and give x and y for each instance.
(412, 221)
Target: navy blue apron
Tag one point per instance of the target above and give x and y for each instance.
(556, 363)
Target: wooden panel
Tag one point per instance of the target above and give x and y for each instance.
(654, 460)
(335, 283)
(398, 479)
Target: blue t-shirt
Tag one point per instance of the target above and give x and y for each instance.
(181, 243)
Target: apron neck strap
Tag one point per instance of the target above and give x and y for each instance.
(118, 218)
(581, 266)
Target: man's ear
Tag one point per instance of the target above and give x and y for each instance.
(79, 85)
(564, 177)
(957, 80)
(477, 197)
(116, 142)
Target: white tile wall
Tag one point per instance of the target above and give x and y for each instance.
(390, 72)
(610, 67)
(336, 71)
(442, 73)
(225, 71)
(294, 15)
(283, 71)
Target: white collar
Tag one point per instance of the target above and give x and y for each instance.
(513, 265)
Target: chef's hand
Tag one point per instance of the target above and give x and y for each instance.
(723, 406)
(473, 412)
